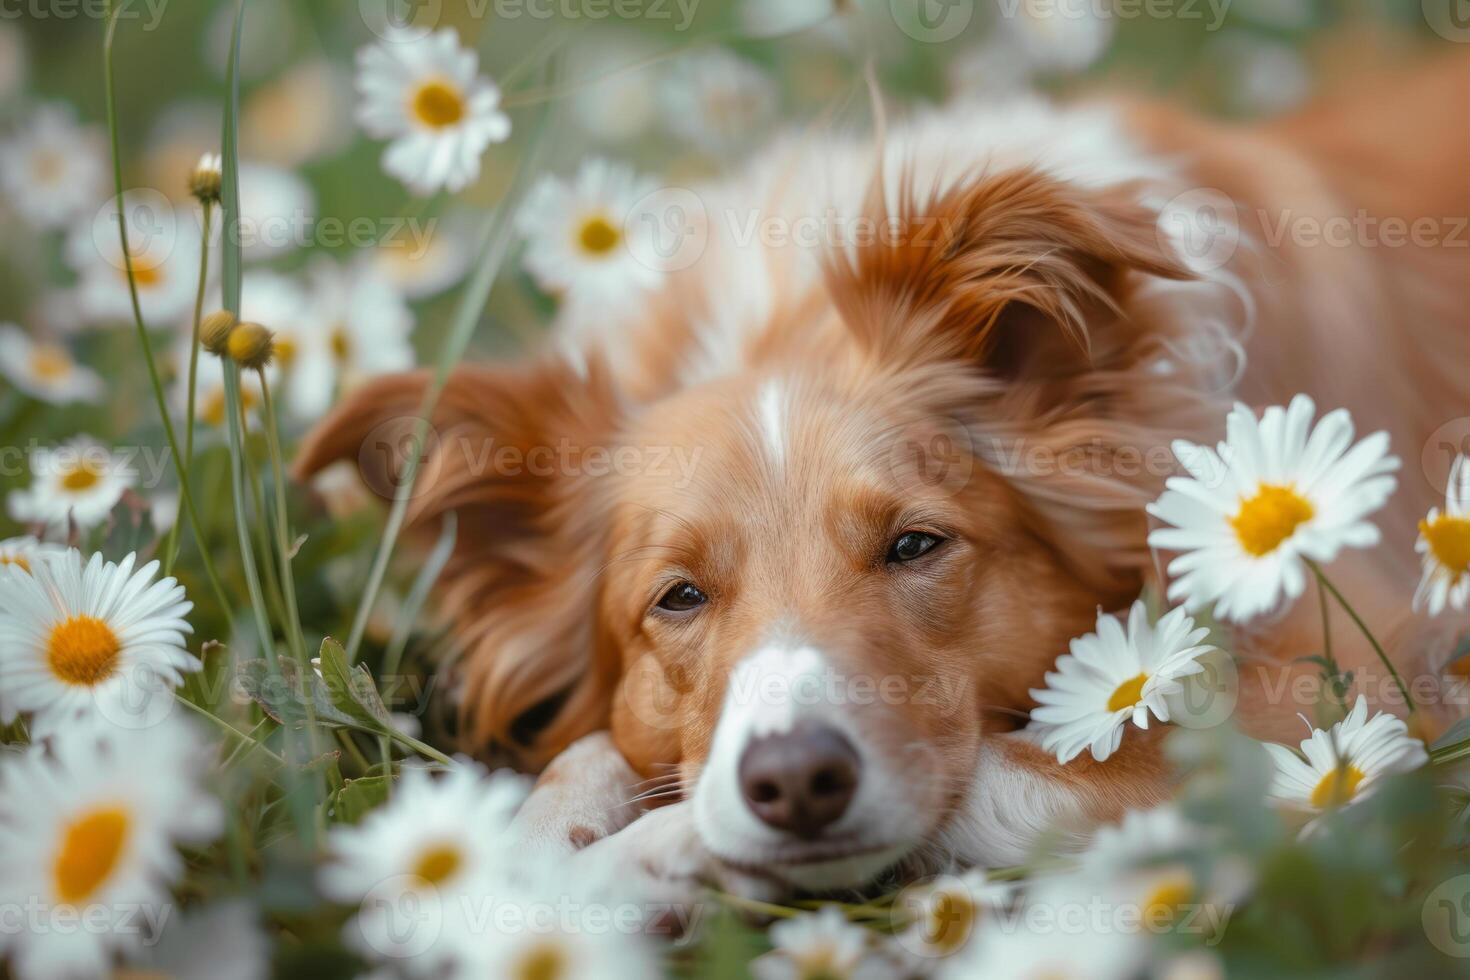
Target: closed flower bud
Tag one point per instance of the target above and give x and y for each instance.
(214, 332)
(251, 345)
(205, 181)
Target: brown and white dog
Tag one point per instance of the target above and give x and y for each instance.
(810, 523)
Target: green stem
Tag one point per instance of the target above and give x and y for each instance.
(497, 241)
(171, 553)
(1347, 607)
(143, 341)
(242, 519)
(217, 721)
(242, 751)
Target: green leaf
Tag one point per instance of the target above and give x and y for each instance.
(283, 694)
(357, 797)
(351, 688)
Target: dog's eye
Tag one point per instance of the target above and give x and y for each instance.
(911, 545)
(682, 597)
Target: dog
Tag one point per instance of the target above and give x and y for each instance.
(919, 451)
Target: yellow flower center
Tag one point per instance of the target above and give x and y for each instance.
(48, 166)
(1167, 903)
(146, 273)
(1129, 693)
(1337, 787)
(81, 477)
(598, 236)
(543, 962)
(50, 363)
(1449, 542)
(950, 920)
(1269, 518)
(82, 651)
(285, 350)
(16, 561)
(438, 863)
(341, 342)
(438, 104)
(90, 849)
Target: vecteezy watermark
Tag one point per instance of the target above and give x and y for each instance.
(410, 20)
(1450, 19)
(403, 917)
(34, 916)
(1446, 917)
(386, 450)
(1211, 12)
(150, 12)
(932, 21)
(143, 467)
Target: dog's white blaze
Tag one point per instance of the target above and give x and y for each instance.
(771, 404)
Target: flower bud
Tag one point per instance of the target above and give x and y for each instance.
(214, 332)
(205, 181)
(251, 345)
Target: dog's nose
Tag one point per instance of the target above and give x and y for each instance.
(801, 781)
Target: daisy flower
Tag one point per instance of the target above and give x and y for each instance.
(946, 912)
(1065, 943)
(546, 951)
(22, 553)
(78, 482)
(88, 833)
(426, 95)
(424, 268)
(1052, 37)
(1275, 494)
(45, 371)
(821, 944)
(1112, 676)
(717, 100)
(165, 261)
(431, 849)
(1444, 541)
(577, 242)
(52, 169)
(616, 101)
(356, 325)
(303, 114)
(222, 941)
(99, 636)
(1344, 762)
(277, 209)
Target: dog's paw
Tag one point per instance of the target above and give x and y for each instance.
(657, 858)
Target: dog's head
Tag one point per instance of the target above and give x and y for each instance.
(812, 583)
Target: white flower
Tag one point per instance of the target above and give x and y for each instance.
(1344, 762)
(717, 100)
(548, 951)
(222, 941)
(1112, 676)
(356, 325)
(617, 97)
(577, 239)
(45, 371)
(52, 169)
(88, 834)
(99, 636)
(78, 482)
(1056, 37)
(277, 208)
(822, 944)
(424, 267)
(1056, 940)
(435, 846)
(22, 553)
(947, 912)
(777, 18)
(165, 260)
(1444, 541)
(426, 95)
(1276, 492)
(1263, 76)
(303, 114)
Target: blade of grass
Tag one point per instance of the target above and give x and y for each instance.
(496, 244)
(418, 595)
(171, 553)
(185, 497)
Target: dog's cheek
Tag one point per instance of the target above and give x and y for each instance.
(647, 717)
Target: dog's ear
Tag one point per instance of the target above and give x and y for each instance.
(1013, 271)
(501, 454)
